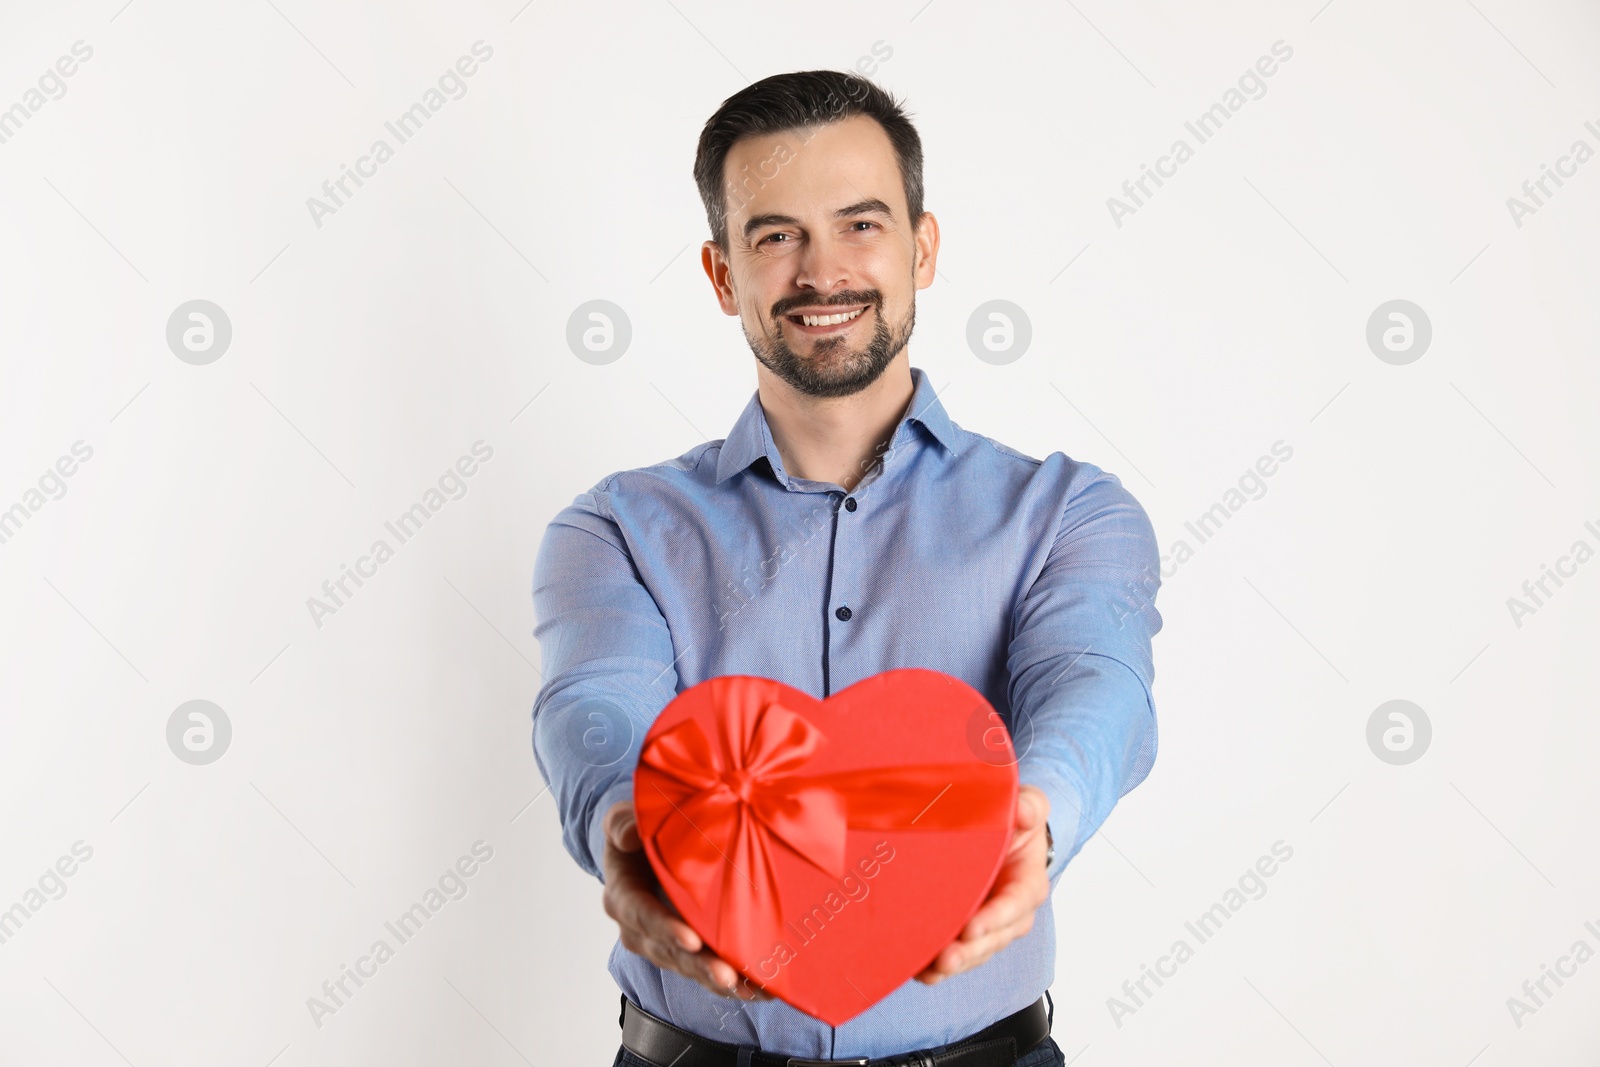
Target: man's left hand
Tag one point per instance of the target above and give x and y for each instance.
(1007, 914)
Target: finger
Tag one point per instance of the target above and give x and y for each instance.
(1033, 807)
(969, 954)
(749, 988)
(631, 867)
(631, 898)
(1021, 884)
(1000, 911)
(990, 938)
(651, 926)
(658, 952)
(622, 828)
(716, 969)
(1014, 891)
(996, 925)
(666, 941)
(1003, 918)
(641, 910)
(641, 902)
(668, 955)
(737, 985)
(663, 923)
(713, 972)
(722, 978)
(960, 956)
(691, 965)
(1012, 899)
(640, 916)
(703, 966)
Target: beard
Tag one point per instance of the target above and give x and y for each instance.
(833, 368)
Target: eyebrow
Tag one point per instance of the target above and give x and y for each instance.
(870, 206)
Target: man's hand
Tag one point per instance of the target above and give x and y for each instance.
(650, 926)
(1019, 890)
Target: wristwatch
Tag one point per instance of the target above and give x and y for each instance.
(1050, 853)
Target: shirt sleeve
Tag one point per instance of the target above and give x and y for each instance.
(1083, 718)
(608, 669)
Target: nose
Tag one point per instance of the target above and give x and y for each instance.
(822, 266)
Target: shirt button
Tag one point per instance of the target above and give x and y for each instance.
(849, 503)
(843, 614)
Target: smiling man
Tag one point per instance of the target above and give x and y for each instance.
(855, 528)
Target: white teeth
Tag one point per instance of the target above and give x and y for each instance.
(829, 320)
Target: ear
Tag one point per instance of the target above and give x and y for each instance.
(925, 249)
(718, 270)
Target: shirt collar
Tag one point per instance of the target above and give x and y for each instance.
(750, 439)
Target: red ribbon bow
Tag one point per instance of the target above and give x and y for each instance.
(737, 801)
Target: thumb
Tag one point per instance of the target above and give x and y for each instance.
(1032, 807)
(624, 831)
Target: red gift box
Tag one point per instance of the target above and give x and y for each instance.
(827, 849)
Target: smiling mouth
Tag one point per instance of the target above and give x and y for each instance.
(825, 321)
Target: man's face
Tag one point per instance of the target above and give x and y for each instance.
(818, 229)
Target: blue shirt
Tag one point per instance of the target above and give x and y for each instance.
(1033, 581)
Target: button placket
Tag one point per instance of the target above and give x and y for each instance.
(844, 611)
(827, 627)
(843, 538)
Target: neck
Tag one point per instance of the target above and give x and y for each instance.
(837, 438)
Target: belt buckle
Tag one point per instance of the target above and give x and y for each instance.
(801, 1061)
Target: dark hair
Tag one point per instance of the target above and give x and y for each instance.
(793, 101)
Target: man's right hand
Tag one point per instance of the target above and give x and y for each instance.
(650, 926)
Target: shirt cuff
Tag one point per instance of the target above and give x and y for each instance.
(620, 790)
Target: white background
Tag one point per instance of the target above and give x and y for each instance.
(1228, 313)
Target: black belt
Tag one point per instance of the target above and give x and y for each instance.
(996, 1045)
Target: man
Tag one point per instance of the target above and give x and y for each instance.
(845, 526)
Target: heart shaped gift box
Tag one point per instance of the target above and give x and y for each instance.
(827, 849)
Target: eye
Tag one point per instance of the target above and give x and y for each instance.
(864, 222)
(769, 237)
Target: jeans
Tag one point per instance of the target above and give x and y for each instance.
(1045, 1054)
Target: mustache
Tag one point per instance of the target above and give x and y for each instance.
(872, 299)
